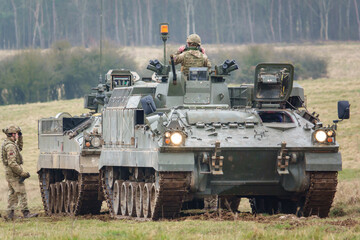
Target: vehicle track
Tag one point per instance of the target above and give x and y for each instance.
(167, 202)
(85, 199)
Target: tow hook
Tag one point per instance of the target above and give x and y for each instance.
(217, 160)
(283, 160)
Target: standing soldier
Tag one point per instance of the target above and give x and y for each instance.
(15, 175)
(192, 55)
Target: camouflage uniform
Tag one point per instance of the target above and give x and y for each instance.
(12, 161)
(192, 56)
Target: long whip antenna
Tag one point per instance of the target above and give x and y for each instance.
(101, 34)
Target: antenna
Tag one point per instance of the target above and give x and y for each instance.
(101, 33)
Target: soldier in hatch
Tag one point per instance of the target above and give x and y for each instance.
(15, 175)
(192, 55)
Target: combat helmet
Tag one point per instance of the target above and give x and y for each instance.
(11, 129)
(194, 38)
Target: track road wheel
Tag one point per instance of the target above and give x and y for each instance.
(116, 197)
(123, 198)
(67, 196)
(131, 203)
(139, 200)
(52, 198)
(58, 198)
(146, 200)
(62, 197)
(73, 196)
(153, 198)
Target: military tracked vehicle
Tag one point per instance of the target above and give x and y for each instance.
(70, 149)
(194, 137)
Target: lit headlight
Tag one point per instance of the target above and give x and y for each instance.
(320, 136)
(176, 138)
(330, 133)
(95, 142)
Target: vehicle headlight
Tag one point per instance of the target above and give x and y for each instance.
(176, 138)
(95, 142)
(330, 133)
(320, 136)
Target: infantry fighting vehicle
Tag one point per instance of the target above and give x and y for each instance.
(70, 149)
(186, 139)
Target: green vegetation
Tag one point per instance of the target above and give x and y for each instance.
(349, 174)
(306, 65)
(61, 72)
(261, 228)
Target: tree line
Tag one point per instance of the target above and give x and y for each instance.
(40, 23)
(61, 72)
(66, 72)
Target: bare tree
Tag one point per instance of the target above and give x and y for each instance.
(48, 35)
(39, 23)
(42, 41)
(54, 20)
(326, 6)
(348, 17)
(15, 24)
(215, 20)
(136, 22)
(193, 16)
(140, 24)
(290, 21)
(279, 21)
(83, 8)
(231, 22)
(149, 15)
(117, 22)
(299, 21)
(123, 25)
(250, 21)
(37, 28)
(357, 16)
(271, 20)
(187, 15)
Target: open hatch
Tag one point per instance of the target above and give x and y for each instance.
(273, 82)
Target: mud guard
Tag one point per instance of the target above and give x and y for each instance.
(323, 161)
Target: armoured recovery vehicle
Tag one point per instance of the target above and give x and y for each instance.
(70, 150)
(194, 137)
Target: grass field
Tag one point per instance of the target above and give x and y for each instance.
(322, 96)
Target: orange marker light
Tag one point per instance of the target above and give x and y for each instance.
(330, 140)
(87, 144)
(164, 29)
(167, 140)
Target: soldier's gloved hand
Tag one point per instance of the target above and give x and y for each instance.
(202, 50)
(25, 175)
(181, 48)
